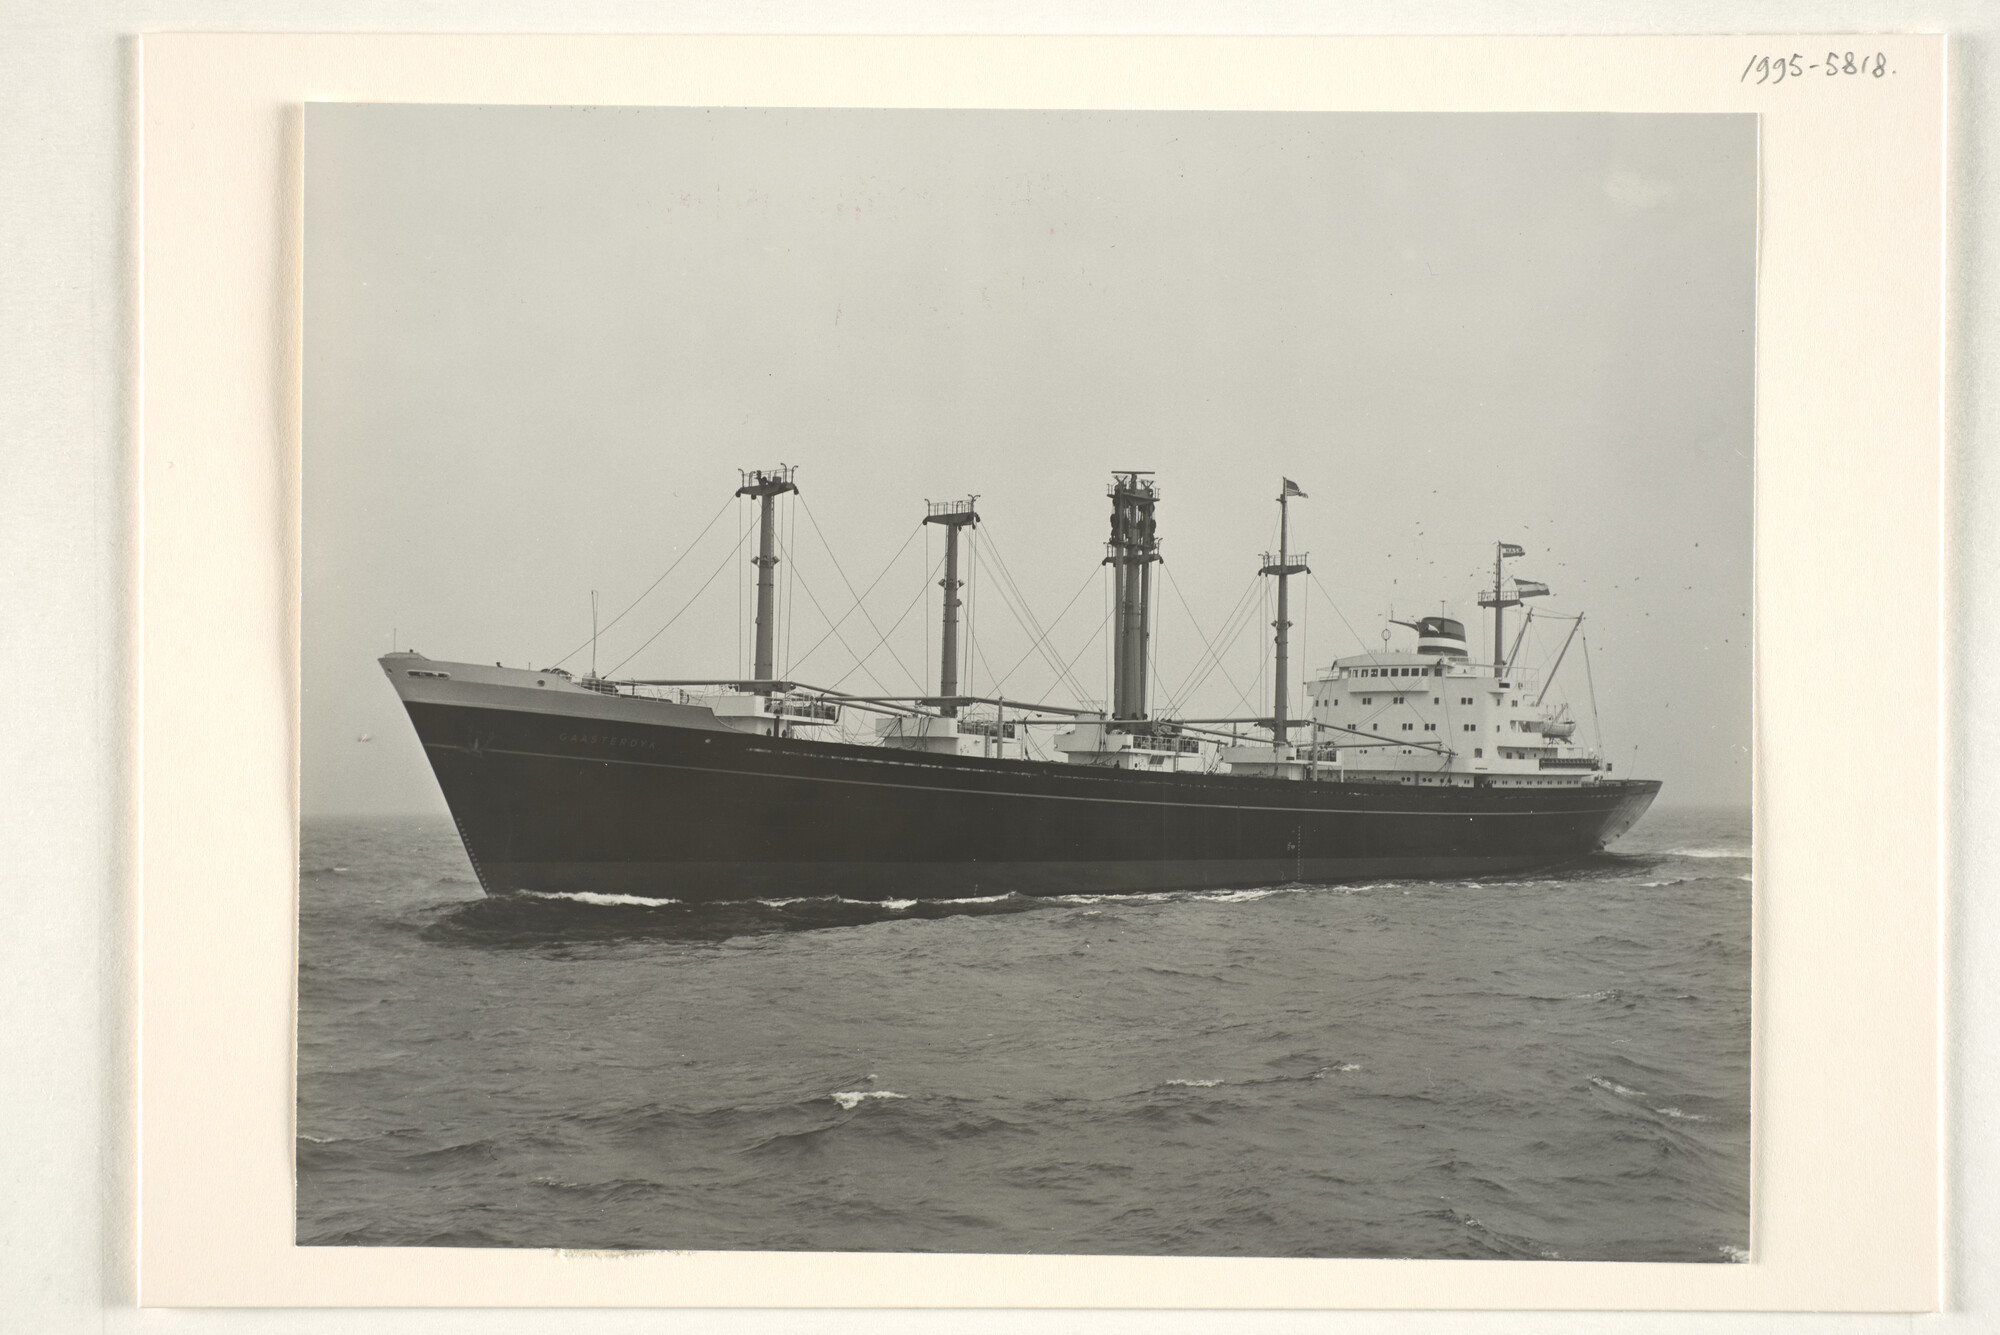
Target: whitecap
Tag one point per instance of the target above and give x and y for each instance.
(1740, 1255)
(898, 904)
(592, 897)
(1196, 1084)
(1135, 897)
(1240, 896)
(1677, 1114)
(1338, 1068)
(1614, 1087)
(1708, 852)
(850, 1099)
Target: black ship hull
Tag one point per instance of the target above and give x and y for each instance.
(555, 803)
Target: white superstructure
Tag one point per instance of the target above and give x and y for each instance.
(1432, 716)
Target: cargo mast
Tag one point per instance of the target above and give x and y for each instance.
(1130, 553)
(1284, 567)
(766, 484)
(953, 516)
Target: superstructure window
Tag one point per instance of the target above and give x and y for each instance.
(1465, 699)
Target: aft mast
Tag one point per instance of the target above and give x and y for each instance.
(1284, 568)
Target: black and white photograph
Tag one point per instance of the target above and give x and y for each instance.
(1154, 683)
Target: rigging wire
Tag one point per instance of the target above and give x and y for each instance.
(1017, 603)
(790, 542)
(858, 606)
(1005, 677)
(1595, 727)
(925, 593)
(971, 608)
(1207, 644)
(859, 602)
(799, 581)
(1305, 658)
(1337, 612)
(1105, 700)
(684, 606)
(1264, 652)
(1104, 703)
(650, 587)
(742, 650)
(1232, 630)
(922, 590)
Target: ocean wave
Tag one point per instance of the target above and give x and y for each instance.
(1739, 1255)
(1195, 1084)
(897, 905)
(1741, 854)
(1338, 1068)
(593, 897)
(851, 1099)
(1640, 1096)
(1135, 897)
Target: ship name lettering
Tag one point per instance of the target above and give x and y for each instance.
(596, 739)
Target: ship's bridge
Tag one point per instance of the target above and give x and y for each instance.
(1428, 718)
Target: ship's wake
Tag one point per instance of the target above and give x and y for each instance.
(529, 920)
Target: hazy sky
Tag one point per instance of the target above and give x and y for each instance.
(541, 342)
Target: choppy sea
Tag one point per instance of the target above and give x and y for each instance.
(1544, 1066)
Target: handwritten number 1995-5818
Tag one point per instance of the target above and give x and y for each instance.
(1776, 69)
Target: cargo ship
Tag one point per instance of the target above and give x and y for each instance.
(1416, 761)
